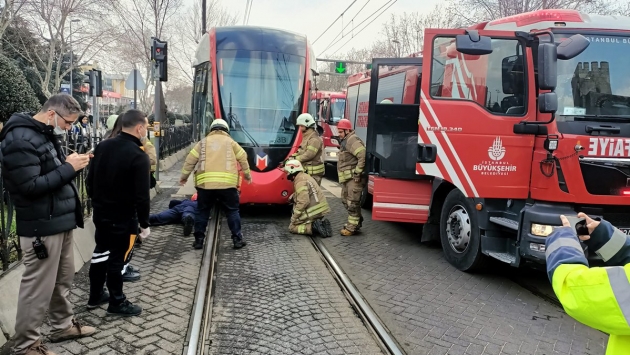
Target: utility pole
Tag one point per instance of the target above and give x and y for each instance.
(203, 17)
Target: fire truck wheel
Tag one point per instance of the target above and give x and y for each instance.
(459, 233)
(366, 198)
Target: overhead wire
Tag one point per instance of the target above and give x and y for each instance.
(369, 23)
(251, 2)
(337, 19)
(245, 13)
(346, 26)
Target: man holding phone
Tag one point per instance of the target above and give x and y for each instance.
(599, 296)
(39, 178)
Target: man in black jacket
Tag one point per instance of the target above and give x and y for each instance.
(118, 183)
(39, 177)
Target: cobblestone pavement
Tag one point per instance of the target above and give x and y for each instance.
(432, 308)
(169, 268)
(276, 296)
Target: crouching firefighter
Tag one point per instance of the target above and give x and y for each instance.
(311, 150)
(214, 160)
(310, 205)
(350, 168)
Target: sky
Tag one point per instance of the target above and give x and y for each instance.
(313, 17)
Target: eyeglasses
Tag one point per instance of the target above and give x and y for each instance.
(63, 118)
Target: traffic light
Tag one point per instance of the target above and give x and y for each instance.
(159, 54)
(89, 79)
(98, 79)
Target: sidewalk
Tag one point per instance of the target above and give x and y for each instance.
(169, 267)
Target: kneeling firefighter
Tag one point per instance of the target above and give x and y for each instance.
(350, 171)
(311, 150)
(310, 205)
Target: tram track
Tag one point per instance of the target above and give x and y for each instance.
(372, 322)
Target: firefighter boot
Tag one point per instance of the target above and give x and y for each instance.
(189, 223)
(347, 232)
(198, 243)
(360, 223)
(323, 227)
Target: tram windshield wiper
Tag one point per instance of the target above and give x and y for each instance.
(237, 124)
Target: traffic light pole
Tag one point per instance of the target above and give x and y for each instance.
(158, 117)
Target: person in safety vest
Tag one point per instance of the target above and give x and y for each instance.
(310, 205)
(350, 171)
(599, 296)
(214, 160)
(311, 150)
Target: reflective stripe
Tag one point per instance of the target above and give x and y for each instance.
(186, 172)
(353, 220)
(310, 147)
(621, 289)
(344, 175)
(210, 177)
(563, 242)
(358, 150)
(303, 188)
(194, 153)
(240, 153)
(315, 169)
(314, 210)
(613, 246)
(301, 228)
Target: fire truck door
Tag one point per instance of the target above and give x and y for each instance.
(469, 104)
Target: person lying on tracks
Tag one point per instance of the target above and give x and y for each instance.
(598, 296)
(310, 205)
(179, 211)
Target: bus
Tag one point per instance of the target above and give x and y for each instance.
(329, 107)
(257, 79)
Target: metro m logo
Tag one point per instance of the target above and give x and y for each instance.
(262, 161)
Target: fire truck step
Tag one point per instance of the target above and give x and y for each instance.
(505, 257)
(505, 222)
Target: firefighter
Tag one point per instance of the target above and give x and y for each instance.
(311, 150)
(214, 161)
(350, 171)
(309, 203)
(597, 296)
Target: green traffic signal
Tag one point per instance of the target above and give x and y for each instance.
(340, 67)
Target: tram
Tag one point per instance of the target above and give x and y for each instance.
(259, 80)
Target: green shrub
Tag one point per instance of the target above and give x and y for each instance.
(16, 95)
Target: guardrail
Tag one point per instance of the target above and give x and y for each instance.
(174, 139)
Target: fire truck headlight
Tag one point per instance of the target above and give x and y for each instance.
(334, 141)
(541, 230)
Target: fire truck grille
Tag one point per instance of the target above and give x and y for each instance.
(604, 178)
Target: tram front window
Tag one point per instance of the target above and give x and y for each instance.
(261, 95)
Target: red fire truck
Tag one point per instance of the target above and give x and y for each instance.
(328, 108)
(496, 130)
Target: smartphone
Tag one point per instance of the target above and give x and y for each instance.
(579, 224)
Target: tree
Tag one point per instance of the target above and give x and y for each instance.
(8, 11)
(17, 95)
(179, 98)
(190, 34)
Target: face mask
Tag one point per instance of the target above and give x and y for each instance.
(58, 131)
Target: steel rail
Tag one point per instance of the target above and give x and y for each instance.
(373, 323)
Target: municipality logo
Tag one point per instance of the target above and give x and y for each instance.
(496, 151)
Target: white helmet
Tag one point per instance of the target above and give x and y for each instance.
(293, 166)
(219, 124)
(305, 120)
(387, 101)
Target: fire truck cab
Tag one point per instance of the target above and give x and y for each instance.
(498, 129)
(329, 107)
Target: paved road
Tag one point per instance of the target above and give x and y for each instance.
(432, 308)
(276, 296)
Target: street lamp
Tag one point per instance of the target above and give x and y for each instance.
(71, 58)
(397, 47)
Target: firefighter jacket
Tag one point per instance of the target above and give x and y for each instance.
(600, 296)
(214, 161)
(149, 148)
(309, 200)
(351, 157)
(311, 153)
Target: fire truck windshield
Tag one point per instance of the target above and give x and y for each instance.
(338, 109)
(261, 95)
(595, 85)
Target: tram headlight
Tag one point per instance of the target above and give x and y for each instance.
(541, 230)
(285, 193)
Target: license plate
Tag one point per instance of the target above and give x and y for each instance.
(626, 231)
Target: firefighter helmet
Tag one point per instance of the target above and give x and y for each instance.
(387, 101)
(344, 123)
(293, 166)
(111, 121)
(219, 124)
(305, 120)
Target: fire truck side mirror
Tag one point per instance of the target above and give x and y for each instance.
(547, 66)
(571, 47)
(427, 153)
(548, 102)
(473, 44)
